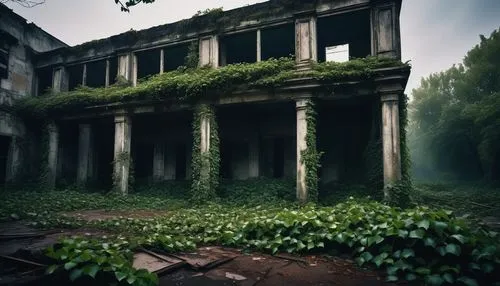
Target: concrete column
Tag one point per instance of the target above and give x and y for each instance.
(124, 66)
(85, 154)
(84, 75)
(123, 136)
(107, 73)
(170, 162)
(390, 138)
(205, 145)
(385, 31)
(13, 160)
(305, 40)
(162, 60)
(133, 71)
(253, 156)
(159, 162)
(259, 46)
(301, 106)
(52, 155)
(209, 51)
(60, 81)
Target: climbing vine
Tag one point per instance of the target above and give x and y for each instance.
(123, 158)
(205, 182)
(311, 156)
(192, 58)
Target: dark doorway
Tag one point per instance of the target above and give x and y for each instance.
(279, 158)
(4, 152)
(180, 161)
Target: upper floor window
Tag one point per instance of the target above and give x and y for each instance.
(4, 60)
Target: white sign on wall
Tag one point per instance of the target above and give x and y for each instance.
(338, 53)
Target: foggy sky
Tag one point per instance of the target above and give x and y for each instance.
(434, 33)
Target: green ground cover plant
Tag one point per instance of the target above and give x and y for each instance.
(419, 243)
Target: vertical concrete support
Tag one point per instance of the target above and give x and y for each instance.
(52, 154)
(13, 160)
(60, 81)
(84, 75)
(385, 31)
(124, 66)
(253, 157)
(162, 60)
(85, 158)
(133, 71)
(390, 138)
(305, 40)
(106, 80)
(209, 51)
(123, 136)
(301, 108)
(170, 162)
(159, 162)
(259, 46)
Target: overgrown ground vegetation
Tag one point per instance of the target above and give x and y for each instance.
(418, 243)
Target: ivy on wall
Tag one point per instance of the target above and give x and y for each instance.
(205, 182)
(311, 156)
(195, 83)
(123, 159)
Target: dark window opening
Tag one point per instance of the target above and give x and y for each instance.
(174, 57)
(279, 158)
(113, 70)
(349, 28)
(4, 153)
(226, 159)
(96, 74)
(277, 42)
(75, 74)
(180, 161)
(104, 138)
(143, 160)
(44, 80)
(239, 48)
(4, 60)
(148, 63)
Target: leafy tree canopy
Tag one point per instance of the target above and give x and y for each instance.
(455, 118)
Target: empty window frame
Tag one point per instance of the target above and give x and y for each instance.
(351, 28)
(239, 48)
(277, 42)
(96, 74)
(44, 76)
(4, 60)
(75, 76)
(175, 56)
(113, 70)
(148, 63)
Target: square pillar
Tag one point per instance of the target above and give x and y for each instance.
(259, 46)
(386, 31)
(52, 155)
(60, 80)
(123, 136)
(305, 40)
(106, 80)
(253, 156)
(301, 108)
(159, 162)
(13, 160)
(209, 51)
(390, 138)
(85, 154)
(125, 66)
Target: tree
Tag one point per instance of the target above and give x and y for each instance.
(455, 118)
(124, 5)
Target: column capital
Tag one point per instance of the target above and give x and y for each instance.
(301, 103)
(122, 117)
(389, 97)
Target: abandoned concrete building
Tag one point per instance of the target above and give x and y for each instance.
(261, 133)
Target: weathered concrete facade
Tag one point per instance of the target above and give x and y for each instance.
(20, 43)
(261, 134)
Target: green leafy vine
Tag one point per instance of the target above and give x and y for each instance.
(205, 182)
(123, 158)
(311, 156)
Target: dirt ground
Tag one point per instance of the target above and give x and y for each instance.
(207, 265)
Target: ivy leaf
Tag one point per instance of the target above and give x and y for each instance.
(75, 274)
(468, 281)
(91, 270)
(424, 224)
(69, 265)
(448, 278)
(411, 277)
(434, 279)
(418, 233)
(453, 249)
(460, 238)
(408, 253)
(391, 278)
(120, 275)
(367, 256)
(423, 271)
(51, 269)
